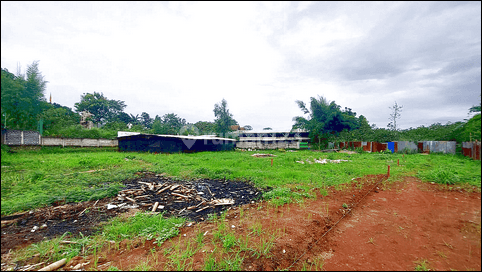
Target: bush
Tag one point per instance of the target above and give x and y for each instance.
(77, 131)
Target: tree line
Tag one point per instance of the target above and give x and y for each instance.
(328, 122)
(24, 107)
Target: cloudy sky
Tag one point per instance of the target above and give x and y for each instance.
(183, 58)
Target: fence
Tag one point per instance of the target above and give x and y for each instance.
(471, 149)
(425, 146)
(18, 137)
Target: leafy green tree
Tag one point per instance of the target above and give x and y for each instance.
(135, 119)
(102, 109)
(123, 117)
(325, 119)
(169, 123)
(205, 127)
(172, 123)
(146, 120)
(115, 126)
(248, 127)
(224, 119)
(189, 129)
(56, 117)
(22, 98)
(267, 128)
(157, 126)
(472, 129)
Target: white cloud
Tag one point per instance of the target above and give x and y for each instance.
(183, 57)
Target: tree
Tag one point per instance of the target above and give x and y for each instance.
(157, 127)
(267, 128)
(396, 112)
(325, 119)
(169, 123)
(135, 119)
(146, 121)
(57, 117)
(189, 129)
(22, 98)
(123, 117)
(224, 119)
(248, 127)
(102, 109)
(205, 127)
(173, 123)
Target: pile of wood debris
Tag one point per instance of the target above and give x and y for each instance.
(193, 199)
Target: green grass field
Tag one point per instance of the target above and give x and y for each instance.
(36, 178)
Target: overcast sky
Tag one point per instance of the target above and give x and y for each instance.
(183, 58)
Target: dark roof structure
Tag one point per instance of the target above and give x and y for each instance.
(174, 143)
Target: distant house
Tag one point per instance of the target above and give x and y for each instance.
(236, 127)
(269, 139)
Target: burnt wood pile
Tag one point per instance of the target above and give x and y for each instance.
(193, 199)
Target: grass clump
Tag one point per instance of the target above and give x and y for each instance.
(422, 265)
(55, 249)
(143, 225)
(284, 195)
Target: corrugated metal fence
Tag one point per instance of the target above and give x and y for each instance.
(425, 146)
(471, 149)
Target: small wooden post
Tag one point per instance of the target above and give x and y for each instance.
(271, 162)
(398, 162)
(388, 174)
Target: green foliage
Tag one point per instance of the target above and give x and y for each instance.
(77, 131)
(422, 265)
(54, 250)
(170, 124)
(471, 130)
(146, 120)
(326, 119)
(224, 119)
(283, 195)
(22, 98)
(145, 225)
(227, 263)
(205, 128)
(102, 109)
(56, 117)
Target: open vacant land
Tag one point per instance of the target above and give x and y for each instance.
(303, 210)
